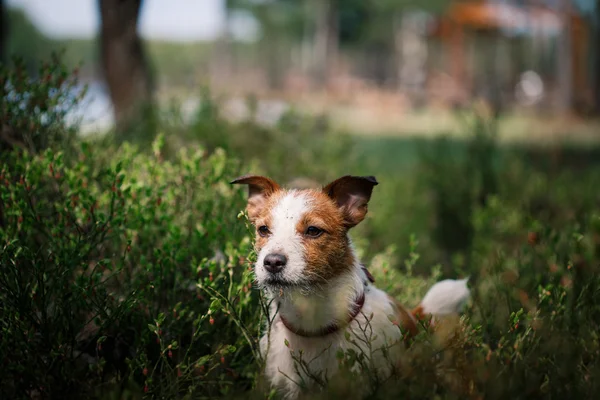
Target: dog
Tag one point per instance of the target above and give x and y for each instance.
(320, 295)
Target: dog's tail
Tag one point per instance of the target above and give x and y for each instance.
(446, 297)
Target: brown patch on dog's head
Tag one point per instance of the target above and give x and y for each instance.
(328, 254)
(339, 206)
(260, 188)
(308, 227)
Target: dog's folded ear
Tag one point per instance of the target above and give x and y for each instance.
(259, 188)
(352, 195)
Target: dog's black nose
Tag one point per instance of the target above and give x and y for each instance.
(274, 263)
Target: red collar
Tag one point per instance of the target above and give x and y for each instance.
(331, 328)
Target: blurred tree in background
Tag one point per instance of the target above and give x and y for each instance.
(321, 27)
(124, 62)
(596, 55)
(325, 37)
(402, 46)
(282, 24)
(3, 31)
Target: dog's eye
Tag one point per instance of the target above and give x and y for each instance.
(313, 231)
(264, 231)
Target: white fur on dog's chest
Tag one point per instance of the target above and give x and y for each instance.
(320, 353)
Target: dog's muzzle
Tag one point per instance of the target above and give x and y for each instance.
(275, 263)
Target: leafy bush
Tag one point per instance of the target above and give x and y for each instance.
(531, 330)
(126, 273)
(94, 253)
(34, 107)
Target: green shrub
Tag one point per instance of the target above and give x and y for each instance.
(34, 107)
(100, 270)
(127, 272)
(531, 330)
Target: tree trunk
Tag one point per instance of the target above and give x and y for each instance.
(306, 50)
(3, 32)
(596, 55)
(124, 63)
(565, 59)
(271, 48)
(399, 48)
(274, 57)
(222, 63)
(326, 39)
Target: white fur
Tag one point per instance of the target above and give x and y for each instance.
(328, 304)
(284, 238)
(446, 297)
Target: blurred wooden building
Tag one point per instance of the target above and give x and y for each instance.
(550, 38)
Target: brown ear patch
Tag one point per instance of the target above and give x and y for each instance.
(259, 189)
(352, 195)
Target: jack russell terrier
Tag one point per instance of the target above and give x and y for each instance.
(321, 296)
